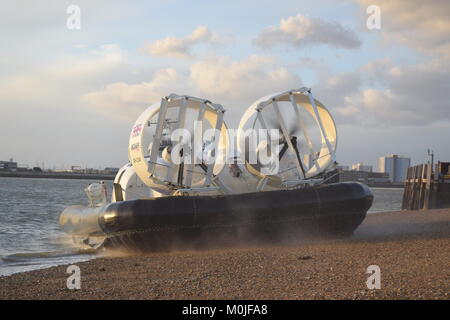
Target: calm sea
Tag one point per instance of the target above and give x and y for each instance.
(30, 237)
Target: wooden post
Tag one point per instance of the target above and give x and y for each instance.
(409, 189)
(427, 188)
(423, 172)
(418, 182)
(406, 190)
(413, 191)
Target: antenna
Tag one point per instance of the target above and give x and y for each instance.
(431, 154)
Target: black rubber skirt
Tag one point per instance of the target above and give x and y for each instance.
(200, 221)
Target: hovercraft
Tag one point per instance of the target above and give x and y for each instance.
(191, 181)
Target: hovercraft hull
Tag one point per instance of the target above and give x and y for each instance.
(198, 221)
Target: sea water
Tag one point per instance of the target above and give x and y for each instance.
(30, 236)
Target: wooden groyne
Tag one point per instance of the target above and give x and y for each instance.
(426, 188)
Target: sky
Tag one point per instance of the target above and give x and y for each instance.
(70, 96)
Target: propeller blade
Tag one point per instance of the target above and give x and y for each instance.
(274, 124)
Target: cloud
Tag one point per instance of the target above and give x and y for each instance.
(121, 100)
(421, 25)
(406, 94)
(60, 82)
(387, 95)
(42, 113)
(234, 84)
(249, 78)
(300, 30)
(334, 88)
(180, 47)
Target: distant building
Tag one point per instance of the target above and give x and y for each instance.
(363, 176)
(345, 168)
(361, 167)
(22, 168)
(111, 170)
(394, 165)
(8, 165)
(378, 177)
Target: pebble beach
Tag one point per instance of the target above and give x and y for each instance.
(411, 249)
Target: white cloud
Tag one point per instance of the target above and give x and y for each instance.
(300, 31)
(43, 116)
(234, 84)
(249, 78)
(52, 84)
(126, 101)
(388, 95)
(180, 47)
(333, 88)
(422, 25)
(407, 94)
